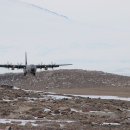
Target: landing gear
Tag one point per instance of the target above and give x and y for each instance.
(24, 71)
(25, 74)
(34, 74)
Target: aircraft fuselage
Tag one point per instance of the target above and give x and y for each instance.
(30, 69)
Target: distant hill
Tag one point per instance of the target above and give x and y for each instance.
(65, 79)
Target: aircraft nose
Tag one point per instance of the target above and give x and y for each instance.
(32, 69)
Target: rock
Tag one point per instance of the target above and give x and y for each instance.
(87, 108)
(28, 124)
(56, 112)
(64, 110)
(4, 86)
(126, 121)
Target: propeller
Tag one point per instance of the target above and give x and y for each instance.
(53, 64)
(8, 64)
(45, 67)
(41, 65)
(13, 67)
(19, 65)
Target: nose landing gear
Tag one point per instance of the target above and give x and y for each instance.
(25, 73)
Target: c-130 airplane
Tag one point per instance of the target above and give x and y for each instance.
(31, 68)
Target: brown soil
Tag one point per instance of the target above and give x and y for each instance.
(111, 91)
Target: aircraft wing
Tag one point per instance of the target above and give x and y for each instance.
(12, 66)
(51, 66)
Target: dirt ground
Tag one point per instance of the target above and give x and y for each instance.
(104, 91)
(38, 110)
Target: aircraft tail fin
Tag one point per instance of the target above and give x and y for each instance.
(26, 59)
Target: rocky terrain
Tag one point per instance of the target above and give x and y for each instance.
(26, 103)
(65, 79)
(32, 110)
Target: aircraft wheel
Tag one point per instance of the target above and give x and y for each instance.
(25, 74)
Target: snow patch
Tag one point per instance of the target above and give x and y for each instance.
(16, 88)
(20, 122)
(102, 112)
(47, 110)
(32, 122)
(59, 97)
(74, 110)
(113, 124)
(103, 97)
(7, 100)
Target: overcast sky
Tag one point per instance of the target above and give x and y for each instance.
(91, 34)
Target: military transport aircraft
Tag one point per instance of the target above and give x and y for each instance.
(31, 68)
